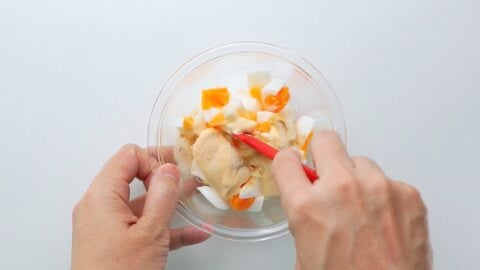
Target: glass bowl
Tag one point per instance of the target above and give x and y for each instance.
(220, 66)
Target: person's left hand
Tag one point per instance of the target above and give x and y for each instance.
(112, 232)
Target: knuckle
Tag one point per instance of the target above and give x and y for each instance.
(380, 186)
(412, 194)
(414, 199)
(299, 206)
(360, 160)
(150, 231)
(344, 181)
(128, 149)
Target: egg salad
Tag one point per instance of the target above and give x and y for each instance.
(234, 175)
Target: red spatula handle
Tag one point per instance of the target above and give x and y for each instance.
(270, 152)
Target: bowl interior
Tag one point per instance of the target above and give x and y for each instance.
(182, 94)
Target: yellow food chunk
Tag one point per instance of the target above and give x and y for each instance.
(188, 122)
(276, 103)
(217, 120)
(215, 98)
(241, 204)
(256, 93)
(249, 115)
(304, 147)
(263, 127)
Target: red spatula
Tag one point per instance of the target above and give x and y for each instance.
(270, 152)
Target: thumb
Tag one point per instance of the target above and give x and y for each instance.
(288, 173)
(162, 195)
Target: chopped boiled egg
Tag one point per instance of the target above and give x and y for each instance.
(215, 199)
(249, 103)
(257, 79)
(249, 115)
(215, 98)
(275, 95)
(185, 122)
(263, 116)
(188, 122)
(233, 108)
(209, 114)
(304, 128)
(263, 127)
(214, 117)
(218, 120)
(257, 204)
(251, 189)
(272, 88)
(241, 204)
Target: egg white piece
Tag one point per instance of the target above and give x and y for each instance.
(196, 171)
(263, 116)
(249, 103)
(272, 87)
(303, 126)
(250, 190)
(258, 78)
(233, 106)
(210, 194)
(257, 204)
(271, 136)
(209, 114)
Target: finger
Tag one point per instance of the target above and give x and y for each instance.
(161, 197)
(137, 204)
(329, 154)
(186, 236)
(188, 186)
(288, 172)
(129, 162)
(160, 154)
(409, 199)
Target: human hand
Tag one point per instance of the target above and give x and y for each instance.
(353, 216)
(112, 232)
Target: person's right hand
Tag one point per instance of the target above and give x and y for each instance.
(353, 216)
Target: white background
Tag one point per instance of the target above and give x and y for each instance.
(78, 80)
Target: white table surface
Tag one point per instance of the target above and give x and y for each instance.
(78, 79)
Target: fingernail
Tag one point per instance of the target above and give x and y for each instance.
(168, 170)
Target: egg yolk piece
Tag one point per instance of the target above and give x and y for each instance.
(188, 122)
(263, 127)
(217, 120)
(249, 115)
(256, 93)
(215, 98)
(240, 204)
(304, 147)
(276, 103)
